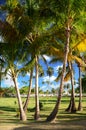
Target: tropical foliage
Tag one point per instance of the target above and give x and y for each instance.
(34, 28)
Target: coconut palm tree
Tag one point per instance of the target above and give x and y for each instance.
(36, 38)
(37, 109)
(13, 35)
(29, 92)
(69, 20)
(80, 90)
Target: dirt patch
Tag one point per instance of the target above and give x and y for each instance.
(79, 125)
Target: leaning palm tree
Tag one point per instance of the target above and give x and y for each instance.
(81, 70)
(35, 49)
(72, 108)
(69, 15)
(13, 72)
(69, 75)
(29, 92)
(13, 36)
(36, 39)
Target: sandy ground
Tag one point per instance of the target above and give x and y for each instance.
(79, 125)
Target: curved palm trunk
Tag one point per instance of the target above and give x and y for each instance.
(72, 108)
(29, 92)
(22, 113)
(36, 116)
(53, 114)
(0, 80)
(80, 91)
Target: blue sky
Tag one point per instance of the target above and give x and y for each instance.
(7, 81)
(2, 2)
(24, 81)
(2, 15)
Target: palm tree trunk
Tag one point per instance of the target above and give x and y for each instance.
(53, 114)
(36, 116)
(80, 91)
(0, 80)
(29, 92)
(72, 107)
(22, 113)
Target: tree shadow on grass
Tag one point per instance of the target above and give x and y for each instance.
(48, 101)
(53, 126)
(31, 128)
(8, 109)
(72, 115)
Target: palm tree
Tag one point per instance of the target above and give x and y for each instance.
(69, 26)
(72, 108)
(37, 109)
(10, 59)
(55, 110)
(83, 83)
(29, 92)
(80, 90)
(13, 37)
(0, 71)
(36, 38)
(14, 77)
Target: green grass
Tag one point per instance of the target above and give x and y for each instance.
(8, 111)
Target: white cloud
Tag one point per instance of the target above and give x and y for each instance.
(47, 78)
(54, 86)
(57, 68)
(68, 82)
(47, 57)
(45, 87)
(7, 81)
(28, 74)
(18, 64)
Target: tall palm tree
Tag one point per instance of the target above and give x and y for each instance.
(37, 109)
(72, 108)
(69, 26)
(55, 110)
(29, 92)
(14, 36)
(10, 59)
(14, 77)
(80, 90)
(36, 38)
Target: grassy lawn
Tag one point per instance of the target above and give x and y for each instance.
(64, 120)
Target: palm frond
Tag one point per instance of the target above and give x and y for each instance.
(56, 52)
(67, 76)
(79, 61)
(81, 46)
(58, 77)
(27, 66)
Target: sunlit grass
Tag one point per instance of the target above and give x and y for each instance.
(9, 108)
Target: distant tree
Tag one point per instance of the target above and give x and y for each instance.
(53, 90)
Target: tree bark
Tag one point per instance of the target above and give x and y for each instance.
(36, 116)
(29, 92)
(0, 80)
(80, 91)
(72, 108)
(22, 113)
(53, 114)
